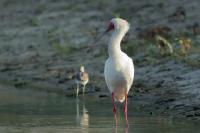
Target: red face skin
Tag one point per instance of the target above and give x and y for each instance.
(111, 26)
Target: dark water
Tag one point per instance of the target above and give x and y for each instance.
(26, 111)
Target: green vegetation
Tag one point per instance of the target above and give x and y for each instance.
(132, 48)
(103, 4)
(63, 49)
(192, 62)
(152, 51)
(33, 22)
(54, 39)
(8, 2)
(40, 9)
(152, 54)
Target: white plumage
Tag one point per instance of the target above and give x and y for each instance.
(82, 78)
(119, 75)
(119, 69)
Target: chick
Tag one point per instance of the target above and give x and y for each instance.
(82, 78)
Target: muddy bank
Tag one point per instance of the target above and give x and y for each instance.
(42, 45)
(168, 87)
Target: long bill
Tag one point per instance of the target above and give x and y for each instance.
(96, 41)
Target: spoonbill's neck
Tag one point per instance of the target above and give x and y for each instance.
(114, 48)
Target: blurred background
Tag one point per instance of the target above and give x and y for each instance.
(43, 43)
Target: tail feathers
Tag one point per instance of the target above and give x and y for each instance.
(121, 100)
(120, 94)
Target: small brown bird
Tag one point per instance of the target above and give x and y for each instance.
(82, 78)
(164, 46)
(185, 44)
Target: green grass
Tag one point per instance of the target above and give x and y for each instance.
(191, 62)
(40, 9)
(132, 48)
(8, 2)
(33, 22)
(63, 49)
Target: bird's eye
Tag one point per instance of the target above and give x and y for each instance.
(110, 27)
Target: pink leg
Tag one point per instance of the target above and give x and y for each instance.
(125, 109)
(114, 107)
(126, 129)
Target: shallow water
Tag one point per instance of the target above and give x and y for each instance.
(27, 111)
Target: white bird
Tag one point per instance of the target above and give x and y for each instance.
(119, 69)
(82, 78)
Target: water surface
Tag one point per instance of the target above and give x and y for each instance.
(28, 111)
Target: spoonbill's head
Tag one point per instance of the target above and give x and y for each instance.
(115, 24)
(118, 24)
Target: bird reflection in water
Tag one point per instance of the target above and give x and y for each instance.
(116, 129)
(82, 116)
